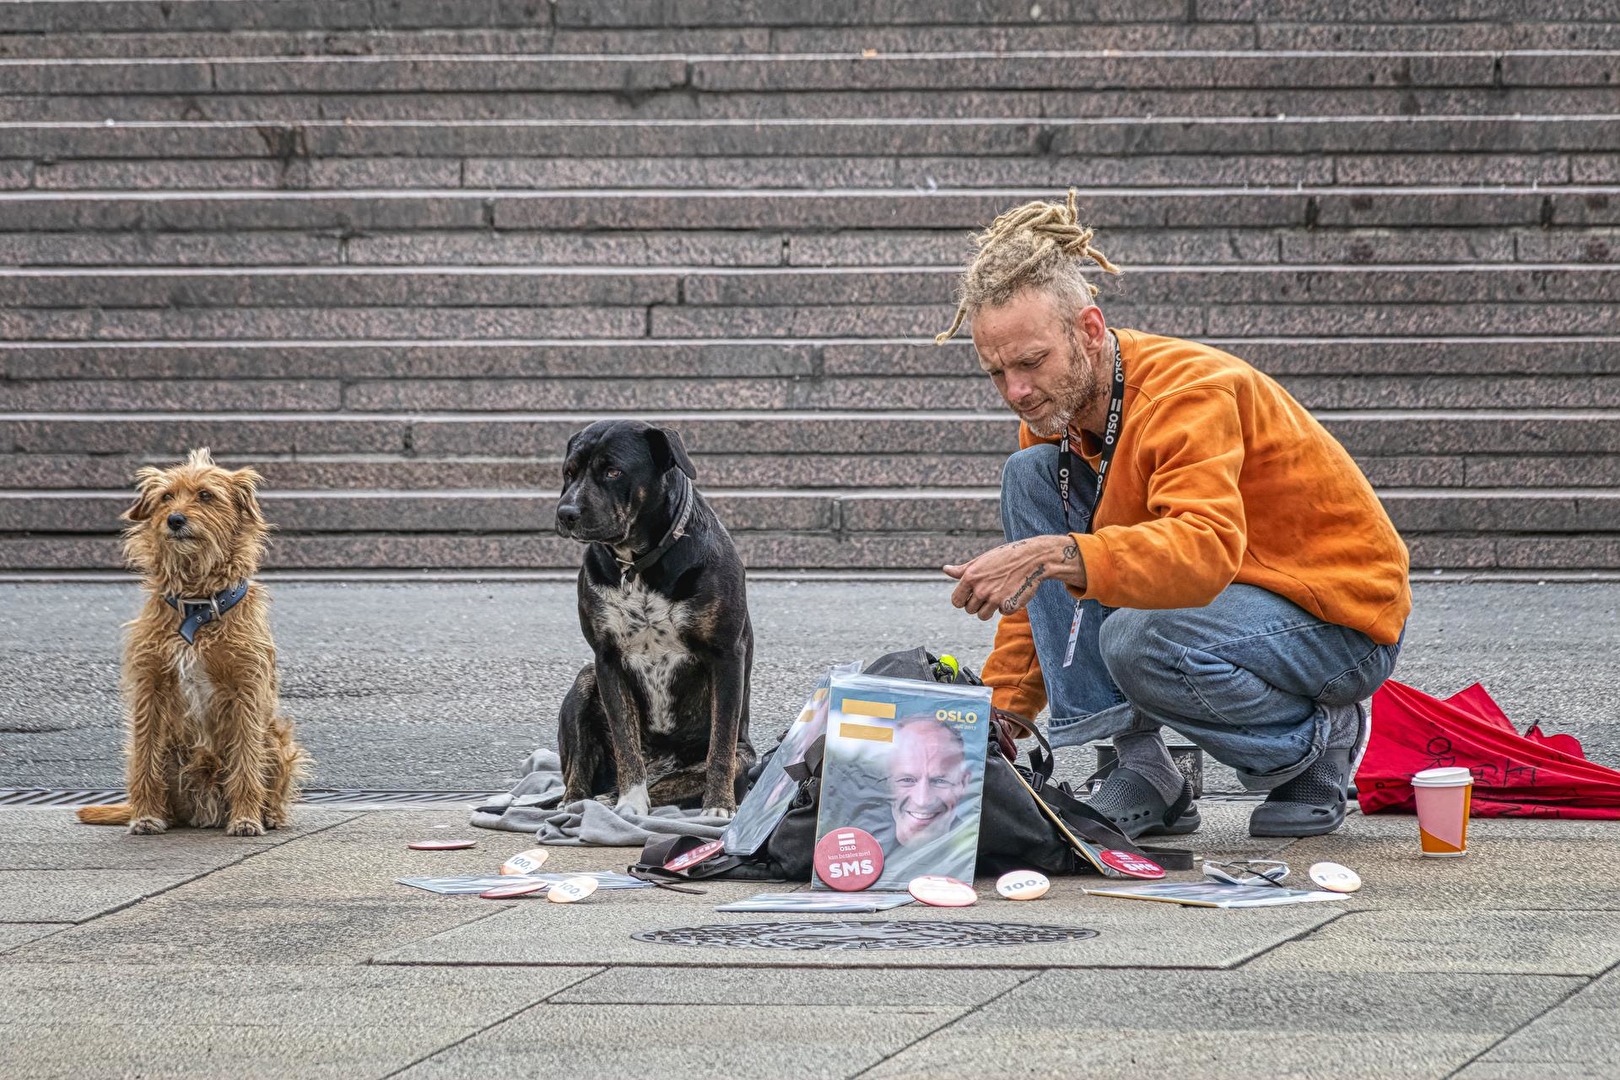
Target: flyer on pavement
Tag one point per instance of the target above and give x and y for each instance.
(459, 886)
(1214, 894)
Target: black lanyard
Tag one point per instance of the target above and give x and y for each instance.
(1116, 414)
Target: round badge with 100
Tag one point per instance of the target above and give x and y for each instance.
(1023, 885)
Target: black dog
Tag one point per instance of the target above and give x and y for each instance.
(661, 716)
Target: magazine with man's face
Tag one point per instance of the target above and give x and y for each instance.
(905, 763)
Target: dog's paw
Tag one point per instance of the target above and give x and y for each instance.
(634, 801)
(723, 813)
(244, 827)
(147, 826)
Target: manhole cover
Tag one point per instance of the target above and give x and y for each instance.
(864, 934)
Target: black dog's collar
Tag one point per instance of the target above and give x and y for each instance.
(630, 569)
(199, 612)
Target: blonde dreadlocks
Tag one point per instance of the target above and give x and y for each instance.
(1035, 246)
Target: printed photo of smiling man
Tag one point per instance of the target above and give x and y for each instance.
(914, 784)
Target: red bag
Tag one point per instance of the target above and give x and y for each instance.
(1529, 775)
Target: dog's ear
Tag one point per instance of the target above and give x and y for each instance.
(148, 488)
(244, 494)
(668, 452)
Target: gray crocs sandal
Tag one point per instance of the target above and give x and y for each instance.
(1314, 802)
(1137, 809)
(1311, 804)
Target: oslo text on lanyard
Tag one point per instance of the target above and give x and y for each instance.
(1116, 413)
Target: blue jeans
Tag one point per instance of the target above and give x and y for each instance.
(1250, 677)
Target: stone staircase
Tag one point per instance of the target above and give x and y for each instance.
(393, 252)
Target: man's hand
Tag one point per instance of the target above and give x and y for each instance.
(1003, 579)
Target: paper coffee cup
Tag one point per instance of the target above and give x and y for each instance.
(1443, 798)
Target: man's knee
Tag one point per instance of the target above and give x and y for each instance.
(1139, 651)
(1029, 474)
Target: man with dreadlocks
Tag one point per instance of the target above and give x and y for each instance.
(1186, 548)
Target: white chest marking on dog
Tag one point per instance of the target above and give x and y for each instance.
(646, 626)
(196, 688)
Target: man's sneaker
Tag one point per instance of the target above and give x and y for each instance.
(1137, 809)
(1313, 803)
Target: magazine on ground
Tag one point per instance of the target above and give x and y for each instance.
(459, 886)
(905, 763)
(842, 903)
(762, 808)
(1214, 894)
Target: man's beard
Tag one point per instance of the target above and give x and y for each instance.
(1079, 388)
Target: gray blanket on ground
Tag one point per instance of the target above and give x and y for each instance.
(535, 805)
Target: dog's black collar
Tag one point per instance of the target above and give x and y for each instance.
(197, 613)
(633, 568)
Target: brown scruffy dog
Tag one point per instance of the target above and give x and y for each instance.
(207, 745)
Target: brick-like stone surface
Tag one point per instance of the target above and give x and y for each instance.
(1406, 220)
(168, 249)
(535, 359)
(183, 396)
(628, 13)
(321, 324)
(337, 287)
(1101, 71)
(619, 249)
(1504, 34)
(433, 135)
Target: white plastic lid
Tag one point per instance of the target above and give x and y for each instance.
(1454, 776)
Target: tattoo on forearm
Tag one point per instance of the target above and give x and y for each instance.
(1010, 604)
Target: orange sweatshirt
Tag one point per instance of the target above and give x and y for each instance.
(1220, 477)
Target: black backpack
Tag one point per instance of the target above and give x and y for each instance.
(1027, 820)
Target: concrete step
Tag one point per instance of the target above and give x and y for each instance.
(885, 38)
(1497, 359)
(591, 377)
(881, 321)
(1366, 433)
(528, 551)
(418, 133)
(909, 471)
(1383, 286)
(70, 16)
(620, 211)
(300, 41)
(82, 15)
(837, 393)
(1459, 167)
(1100, 70)
(1129, 247)
(1421, 510)
(740, 39)
(935, 71)
(683, 103)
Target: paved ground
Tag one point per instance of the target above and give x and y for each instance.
(450, 686)
(298, 955)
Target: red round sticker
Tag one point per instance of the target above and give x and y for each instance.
(1132, 865)
(849, 859)
(696, 855)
